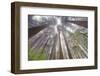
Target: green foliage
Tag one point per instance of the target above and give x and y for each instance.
(82, 38)
(36, 54)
